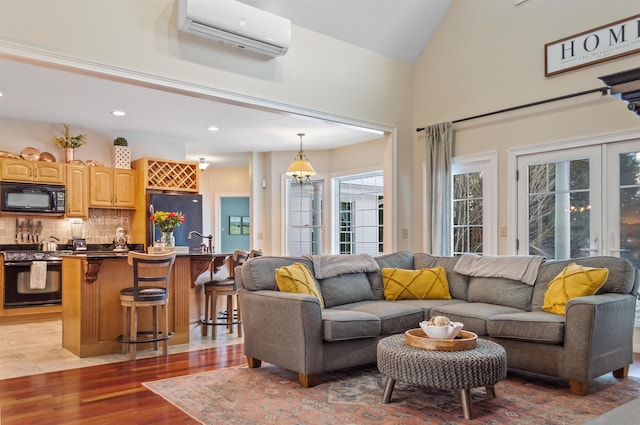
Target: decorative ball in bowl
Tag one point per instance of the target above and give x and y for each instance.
(441, 329)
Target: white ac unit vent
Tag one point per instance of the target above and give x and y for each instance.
(236, 24)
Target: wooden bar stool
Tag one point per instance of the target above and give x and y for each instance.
(151, 275)
(227, 288)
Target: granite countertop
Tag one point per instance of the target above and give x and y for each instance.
(96, 251)
(95, 255)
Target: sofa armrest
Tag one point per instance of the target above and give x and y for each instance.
(284, 329)
(598, 335)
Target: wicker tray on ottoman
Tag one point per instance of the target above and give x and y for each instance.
(417, 338)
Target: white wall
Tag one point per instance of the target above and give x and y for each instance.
(489, 55)
(484, 56)
(364, 156)
(215, 182)
(16, 135)
(318, 73)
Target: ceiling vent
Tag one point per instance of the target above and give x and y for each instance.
(237, 24)
(625, 85)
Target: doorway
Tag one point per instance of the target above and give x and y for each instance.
(235, 223)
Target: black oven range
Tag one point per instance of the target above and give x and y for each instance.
(32, 278)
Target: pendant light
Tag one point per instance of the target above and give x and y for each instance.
(301, 169)
(202, 165)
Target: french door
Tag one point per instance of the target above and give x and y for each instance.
(581, 202)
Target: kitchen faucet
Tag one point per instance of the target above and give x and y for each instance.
(210, 237)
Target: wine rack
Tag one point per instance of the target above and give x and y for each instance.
(163, 174)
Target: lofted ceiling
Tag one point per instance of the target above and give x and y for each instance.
(398, 29)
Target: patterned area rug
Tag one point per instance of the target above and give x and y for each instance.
(272, 395)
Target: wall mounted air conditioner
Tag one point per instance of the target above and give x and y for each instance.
(236, 24)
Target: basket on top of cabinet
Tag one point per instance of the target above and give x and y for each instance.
(165, 174)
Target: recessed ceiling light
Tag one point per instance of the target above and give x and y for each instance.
(212, 128)
(119, 113)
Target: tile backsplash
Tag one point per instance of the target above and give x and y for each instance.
(98, 228)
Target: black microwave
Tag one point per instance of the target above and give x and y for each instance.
(32, 198)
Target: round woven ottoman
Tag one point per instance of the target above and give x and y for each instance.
(462, 370)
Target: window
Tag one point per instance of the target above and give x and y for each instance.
(346, 226)
(474, 220)
(304, 223)
(467, 213)
(360, 211)
(559, 209)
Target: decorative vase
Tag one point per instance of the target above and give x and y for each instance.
(68, 154)
(168, 239)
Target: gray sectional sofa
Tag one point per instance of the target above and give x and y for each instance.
(293, 331)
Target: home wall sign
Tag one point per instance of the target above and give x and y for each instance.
(600, 44)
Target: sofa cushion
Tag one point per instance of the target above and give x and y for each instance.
(257, 273)
(423, 284)
(573, 281)
(340, 325)
(534, 326)
(297, 278)
(474, 316)
(400, 260)
(496, 290)
(395, 317)
(345, 289)
(458, 283)
(428, 305)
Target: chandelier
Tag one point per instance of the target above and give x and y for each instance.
(301, 169)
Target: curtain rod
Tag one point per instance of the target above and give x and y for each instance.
(602, 90)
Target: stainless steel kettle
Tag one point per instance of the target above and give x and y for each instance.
(50, 244)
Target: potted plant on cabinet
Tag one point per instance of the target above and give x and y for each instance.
(69, 142)
(121, 154)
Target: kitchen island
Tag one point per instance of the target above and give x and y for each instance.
(91, 311)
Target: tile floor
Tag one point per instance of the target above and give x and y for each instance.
(36, 347)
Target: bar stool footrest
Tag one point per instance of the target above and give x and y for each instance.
(219, 323)
(144, 340)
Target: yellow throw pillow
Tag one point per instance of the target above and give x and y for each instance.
(574, 281)
(423, 284)
(297, 278)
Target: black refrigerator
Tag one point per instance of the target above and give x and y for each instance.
(189, 205)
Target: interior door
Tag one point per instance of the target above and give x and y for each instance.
(235, 223)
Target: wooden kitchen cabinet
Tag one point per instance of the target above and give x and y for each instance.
(165, 174)
(112, 187)
(32, 171)
(77, 191)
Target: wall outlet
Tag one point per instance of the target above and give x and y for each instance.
(405, 233)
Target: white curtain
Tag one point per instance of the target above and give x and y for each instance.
(439, 140)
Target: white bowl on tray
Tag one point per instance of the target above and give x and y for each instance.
(449, 331)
